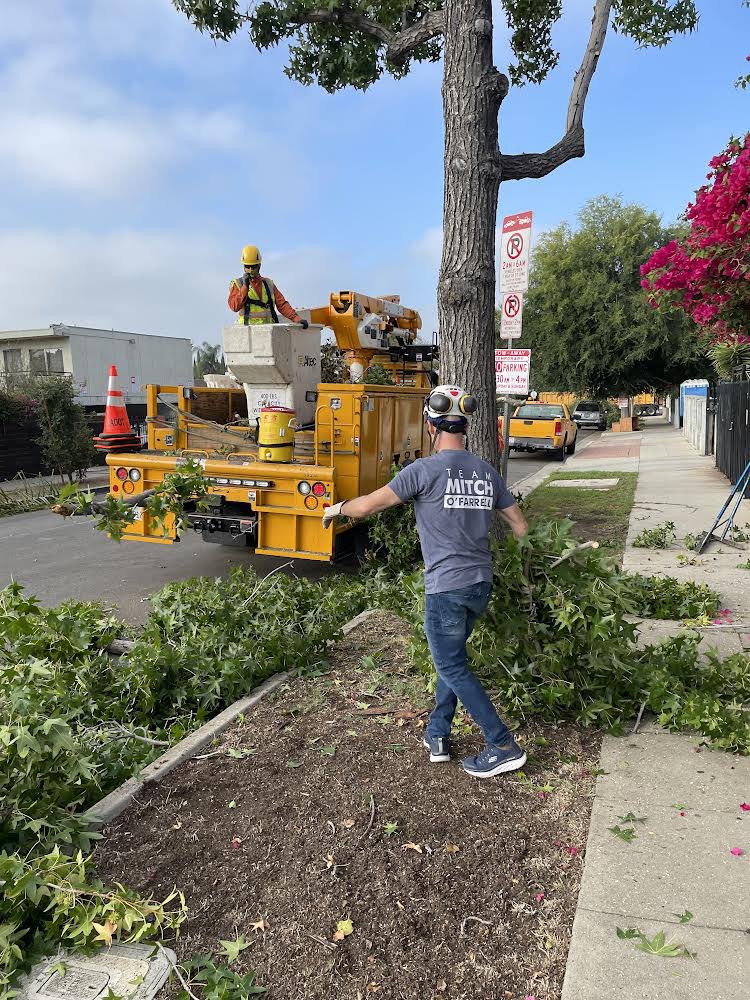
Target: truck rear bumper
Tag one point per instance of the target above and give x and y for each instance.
(534, 444)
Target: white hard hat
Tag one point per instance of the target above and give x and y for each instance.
(449, 402)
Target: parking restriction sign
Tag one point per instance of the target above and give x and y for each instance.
(515, 243)
(511, 317)
(512, 371)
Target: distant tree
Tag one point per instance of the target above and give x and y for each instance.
(704, 272)
(339, 43)
(586, 319)
(208, 359)
(333, 368)
(65, 437)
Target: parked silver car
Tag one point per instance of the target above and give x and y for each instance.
(590, 414)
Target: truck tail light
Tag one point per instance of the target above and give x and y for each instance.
(318, 489)
(558, 427)
(304, 488)
(122, 473)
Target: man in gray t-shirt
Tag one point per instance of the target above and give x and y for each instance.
(454, 495)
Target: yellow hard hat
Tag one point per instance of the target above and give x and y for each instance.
(251, 256)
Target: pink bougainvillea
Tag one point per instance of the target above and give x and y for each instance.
(708, 273)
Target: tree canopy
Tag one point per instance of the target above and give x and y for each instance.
(208, 359)
(586, 319)
(340, 43)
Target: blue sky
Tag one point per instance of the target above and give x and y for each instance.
(137, 157)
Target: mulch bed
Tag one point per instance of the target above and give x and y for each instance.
(322, 806)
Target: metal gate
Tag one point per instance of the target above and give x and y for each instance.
(733, 428)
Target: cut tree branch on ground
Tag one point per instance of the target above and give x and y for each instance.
(573, 552)
(129, 734)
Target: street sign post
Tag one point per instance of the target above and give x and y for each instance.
(511, 316)
(515, 244)
(515, 249)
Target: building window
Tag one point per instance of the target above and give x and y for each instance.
(37, 362)
(12, 360)
(55, 362)
(46, 362)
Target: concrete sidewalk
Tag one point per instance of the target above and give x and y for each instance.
(687, 796)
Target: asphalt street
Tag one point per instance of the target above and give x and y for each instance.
(60, 559)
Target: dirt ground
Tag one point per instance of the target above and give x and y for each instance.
(322, 807)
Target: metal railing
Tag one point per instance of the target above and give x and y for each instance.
(733, 427)
(19, 379)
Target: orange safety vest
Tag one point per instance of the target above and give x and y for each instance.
(258, 309)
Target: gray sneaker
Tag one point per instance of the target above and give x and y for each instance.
(439, 747)
(495, 760)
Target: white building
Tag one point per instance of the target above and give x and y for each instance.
(84, 355)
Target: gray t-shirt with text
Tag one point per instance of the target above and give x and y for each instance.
(454, 494)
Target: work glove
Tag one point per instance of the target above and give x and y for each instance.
(333, 513)
(304, 324)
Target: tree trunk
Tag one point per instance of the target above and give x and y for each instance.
(472, 93)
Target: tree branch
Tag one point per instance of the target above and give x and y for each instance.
(586, 70)
(520, 165)
(398, 43)
(427, 27)
(350, 19)
(572, 144)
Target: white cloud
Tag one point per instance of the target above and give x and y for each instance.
(172, 283)
(95, 156)
(68, 124)
(102, 28)
(429, 246)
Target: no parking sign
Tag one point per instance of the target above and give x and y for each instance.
(511, 319)
(515, 244)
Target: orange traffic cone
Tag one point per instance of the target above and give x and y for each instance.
(117, 434)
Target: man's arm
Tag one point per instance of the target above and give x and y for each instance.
(513, 516)
(364, 506)
(237, 295)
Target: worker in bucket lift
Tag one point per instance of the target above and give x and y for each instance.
(255, 297)
(454, 495)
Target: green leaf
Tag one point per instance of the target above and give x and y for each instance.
(631, 818)
(627, 833)
(232, 949)
(662, 948)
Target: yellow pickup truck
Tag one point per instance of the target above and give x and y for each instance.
(542, 427)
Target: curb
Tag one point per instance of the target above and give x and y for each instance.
(118, 800)
(106, 809)
(535, 479)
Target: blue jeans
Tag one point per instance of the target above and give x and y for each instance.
(449, 620)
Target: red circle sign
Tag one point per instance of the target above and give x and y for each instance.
(511, 306)
(514, 246)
